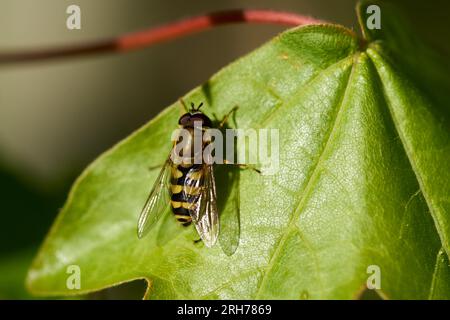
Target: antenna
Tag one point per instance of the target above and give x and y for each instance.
(193, 108)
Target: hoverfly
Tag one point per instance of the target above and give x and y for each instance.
(189, 189)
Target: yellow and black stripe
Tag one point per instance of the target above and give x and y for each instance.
(184, 192)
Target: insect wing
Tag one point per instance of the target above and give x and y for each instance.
(204, 214)
(157, 202)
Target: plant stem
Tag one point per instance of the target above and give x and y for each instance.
(151, 36)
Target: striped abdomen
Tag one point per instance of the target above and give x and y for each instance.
(186, 183)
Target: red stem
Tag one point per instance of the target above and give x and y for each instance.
(142, 39)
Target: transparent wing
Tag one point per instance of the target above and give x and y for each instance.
(158, 201)
(205, 215)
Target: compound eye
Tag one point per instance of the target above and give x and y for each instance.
(185, 119)
(203, 119)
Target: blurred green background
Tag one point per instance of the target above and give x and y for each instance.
(57, 116)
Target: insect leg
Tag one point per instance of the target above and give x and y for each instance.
(248, 166)
(242, 166)
(183, 104)
(225, 118)
(159, 166)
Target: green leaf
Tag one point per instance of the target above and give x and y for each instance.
(363, 181)
(422, 117)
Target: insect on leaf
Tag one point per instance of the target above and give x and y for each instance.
(363, 180)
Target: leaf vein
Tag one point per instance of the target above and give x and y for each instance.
(410, 155)
(308, 188)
